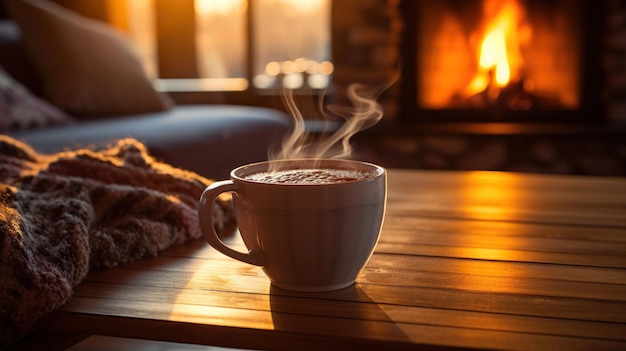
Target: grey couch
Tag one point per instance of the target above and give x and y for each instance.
(207, 139)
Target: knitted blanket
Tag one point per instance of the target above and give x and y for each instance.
(64, 214)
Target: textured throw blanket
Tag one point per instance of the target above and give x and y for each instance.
(64, 214)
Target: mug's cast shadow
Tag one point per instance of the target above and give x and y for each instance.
(348, 319)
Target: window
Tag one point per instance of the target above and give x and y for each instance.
(232, 45)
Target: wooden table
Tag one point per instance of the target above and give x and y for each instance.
(466, 260)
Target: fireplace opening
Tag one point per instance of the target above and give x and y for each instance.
(501, 60)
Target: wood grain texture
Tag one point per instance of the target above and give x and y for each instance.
(466, 260)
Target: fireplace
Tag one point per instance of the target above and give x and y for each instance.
(501, 61)
(562, 111)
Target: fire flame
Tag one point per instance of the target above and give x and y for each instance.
(500, 59)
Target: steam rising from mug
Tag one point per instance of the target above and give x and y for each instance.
(364, 113)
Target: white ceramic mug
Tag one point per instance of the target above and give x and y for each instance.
(306, 237)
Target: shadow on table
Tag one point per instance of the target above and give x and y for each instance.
(347, 318)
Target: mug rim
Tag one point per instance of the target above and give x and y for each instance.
(263, 166)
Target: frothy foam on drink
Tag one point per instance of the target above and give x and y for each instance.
(309, 176)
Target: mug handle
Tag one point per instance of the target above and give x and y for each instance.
(207, 200)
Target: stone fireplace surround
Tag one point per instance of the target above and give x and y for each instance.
(367, 36)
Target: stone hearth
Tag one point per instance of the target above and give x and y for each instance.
(601, 153)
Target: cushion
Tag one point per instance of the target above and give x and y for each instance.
(88, 68)
(20, 109)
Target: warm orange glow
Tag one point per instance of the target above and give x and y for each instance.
(136, 18)
(221, 56)
(493, 200)
(272, 68)
(117, 15)
(493, 56)
(222, 7)
(304, 6)
(491, 195)
(500, 59)
(295, 34)
(207, 297)
(326, 68)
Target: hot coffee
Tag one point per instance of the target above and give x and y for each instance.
(309, 176)
(312, 224)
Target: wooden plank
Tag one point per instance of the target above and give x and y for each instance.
(493, 268)
(497, 285)
(387, 270)
(561, 299)
(487, 248)
(514, 304)
(530, 182)
(231, 337)
(506, 196)
(317, 327)
(206, 258)
(532, 274)
(245, 278)
(286, 302)
(519, 243)
(502, 255)
(528, 213)
(497, 228)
